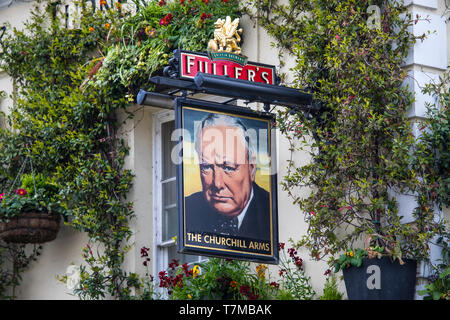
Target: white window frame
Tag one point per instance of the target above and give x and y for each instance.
(160, 248)
(160, 261)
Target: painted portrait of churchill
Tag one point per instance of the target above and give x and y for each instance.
(230, 202)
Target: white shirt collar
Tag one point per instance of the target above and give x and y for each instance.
(242, 214)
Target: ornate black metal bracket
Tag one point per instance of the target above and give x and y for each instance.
(172, 70)
(170, 84)
(235, 89)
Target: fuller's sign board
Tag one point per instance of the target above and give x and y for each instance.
(224, 64)
(227, 190)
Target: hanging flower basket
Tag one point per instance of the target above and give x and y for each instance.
(30, 227)
(32, 213)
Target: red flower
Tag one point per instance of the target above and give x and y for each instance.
(298, 262)
(244, 289)
(162, 274)
(187, 272)
(21, 192)
(253, 296)
(205, 1)
(327, 272)
(205, 16)
(274, 284)
(161, 3)
(281, 245)
(173, 264)
(166, 20)
(144, 252)
(1, 196)
(292, 252)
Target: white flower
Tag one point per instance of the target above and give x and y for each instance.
(73, 276)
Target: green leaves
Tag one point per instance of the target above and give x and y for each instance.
(362, 145)
(350, 258)
(439, 288)
(70, 85)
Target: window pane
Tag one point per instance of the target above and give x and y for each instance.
(168, 200)
(182, 258)
(169, 196)
(168, 167)
(170, 223)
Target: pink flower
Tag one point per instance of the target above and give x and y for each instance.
(337, 37)
(313, 213)
(21, 192)
(1, 196)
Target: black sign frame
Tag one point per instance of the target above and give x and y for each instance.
(206, 243)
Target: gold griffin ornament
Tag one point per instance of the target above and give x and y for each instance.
(226, 36)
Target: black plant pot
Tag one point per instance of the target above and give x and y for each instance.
(381, 279)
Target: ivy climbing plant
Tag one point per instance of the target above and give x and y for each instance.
(70, 83)
(362, 149)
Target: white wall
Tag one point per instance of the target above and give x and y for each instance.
(40, 282)
(426, 61)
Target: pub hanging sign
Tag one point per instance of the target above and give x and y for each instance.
(227, 187)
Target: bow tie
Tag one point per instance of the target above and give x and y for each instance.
(227, 225)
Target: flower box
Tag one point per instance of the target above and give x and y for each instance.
(381, 279)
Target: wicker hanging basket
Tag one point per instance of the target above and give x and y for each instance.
(30, 227)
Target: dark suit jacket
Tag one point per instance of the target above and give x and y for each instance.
(201, 217)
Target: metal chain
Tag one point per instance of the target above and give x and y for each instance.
(21, 170)
(19, 174)
(32, 171)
